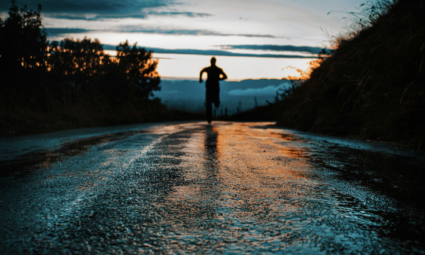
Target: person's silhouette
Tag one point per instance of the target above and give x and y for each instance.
(214, 75)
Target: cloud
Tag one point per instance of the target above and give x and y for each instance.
(101, 9)
(265, 91)
(106, 8)
(306, 49)
(139, 29)
(177, 13)
(213, 53)
(74, 17)
(142, 15)
(94, 16)
(52, 32)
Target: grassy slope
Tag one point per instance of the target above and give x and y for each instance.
(373, 85)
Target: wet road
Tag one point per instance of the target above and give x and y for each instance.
(197, 188)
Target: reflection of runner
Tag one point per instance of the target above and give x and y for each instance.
(213, 87)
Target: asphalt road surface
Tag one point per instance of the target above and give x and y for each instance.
(196, 188)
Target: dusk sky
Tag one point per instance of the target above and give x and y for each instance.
(250, 38)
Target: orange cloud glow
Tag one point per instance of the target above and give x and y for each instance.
(299, 74)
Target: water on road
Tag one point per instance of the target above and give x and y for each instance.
(198, 188)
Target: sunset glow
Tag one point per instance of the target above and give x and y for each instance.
(251, 38)
(237, 68)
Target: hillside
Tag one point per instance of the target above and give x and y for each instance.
(373, 84)
(189, 95)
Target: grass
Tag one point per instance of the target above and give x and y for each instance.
(372, 86)
(21, 115)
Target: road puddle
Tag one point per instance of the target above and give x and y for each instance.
(255, 189)
(220, 188)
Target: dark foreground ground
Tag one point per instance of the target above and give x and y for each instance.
(197, 188)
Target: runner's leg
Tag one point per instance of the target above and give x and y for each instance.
(209, 111)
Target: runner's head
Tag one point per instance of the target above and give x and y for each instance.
(213, 61)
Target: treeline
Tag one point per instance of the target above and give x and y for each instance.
(373, 85)
(71, 81)
(29, 63)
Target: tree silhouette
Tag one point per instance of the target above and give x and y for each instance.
(140, 68)
(37, 75)
(76, 65)
(22, 47)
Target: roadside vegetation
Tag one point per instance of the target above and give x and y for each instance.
(372, 86)
(54, 85)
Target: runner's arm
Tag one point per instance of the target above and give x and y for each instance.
(224, 75)
(200, 75)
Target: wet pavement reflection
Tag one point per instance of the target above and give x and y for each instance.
(221, 188)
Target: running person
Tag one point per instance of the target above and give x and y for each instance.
(214, 75)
